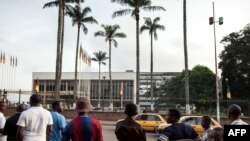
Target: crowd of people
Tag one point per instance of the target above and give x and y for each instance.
(38, 124)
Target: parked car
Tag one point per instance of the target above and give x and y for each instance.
(194, 121)
(149, 121)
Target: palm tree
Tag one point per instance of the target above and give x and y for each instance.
(186, 58)
(79, 18)
(152, 27)
(100, 57)
(61, 4)
(135, 7)
(110, 33)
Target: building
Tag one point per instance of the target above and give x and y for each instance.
(123, 83)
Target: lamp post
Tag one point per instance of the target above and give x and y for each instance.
(212, 22)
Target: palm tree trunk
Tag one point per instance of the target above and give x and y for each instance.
(76, 62)
(137, 59)
(61, 53)
(58, 51)
(151, 72)
(110, 79)
(99, 83)
(186, 58)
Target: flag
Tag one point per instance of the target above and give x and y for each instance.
(1, 58)
(4, 58)
(81, 52)
(228, 93)
(36, 86)
(89, 61)
(10, 60)
(16, 62)
(121, 89)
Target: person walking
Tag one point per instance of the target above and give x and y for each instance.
(10, 128)
(234, 112)
(2, 120)
(83, 127)
(34, 124)
(177, 131)
(59, 121)
(206, 124)
(128, 129)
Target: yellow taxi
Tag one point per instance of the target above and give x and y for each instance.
(150, 121)
(194, 121)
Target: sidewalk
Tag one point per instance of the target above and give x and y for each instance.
(109, 123)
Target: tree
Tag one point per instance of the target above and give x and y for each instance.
(235, 63)
(61, 4)
(79, 18)
(135, 7)
(152, 27)
(202, 87)
(100, 57)
(110, 33)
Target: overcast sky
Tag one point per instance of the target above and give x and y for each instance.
(29, 32)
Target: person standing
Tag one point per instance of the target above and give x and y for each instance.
(234, 112)
(177, 131)
(10, 128)
(128, 129)
(2, 120)
(206, 124)
(58, 120)
(35, 124)
(83, 127)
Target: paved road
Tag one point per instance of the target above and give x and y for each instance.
(109, 135)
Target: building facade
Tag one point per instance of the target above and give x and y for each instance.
(124, 90)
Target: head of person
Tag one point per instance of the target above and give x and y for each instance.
(173, 115)
(83, 105)
(35, 100)
(21, 107)
(131, 110)
(217, 134)
(57, 106)
(206, 122)
(234, 111)
(2, 106)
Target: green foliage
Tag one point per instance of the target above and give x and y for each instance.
(235, 63)
(202, 88)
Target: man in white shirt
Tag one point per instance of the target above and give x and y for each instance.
(2, 120)
(35, 124)
(234, 111)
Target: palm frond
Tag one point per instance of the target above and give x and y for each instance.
(114, 42)
(90, 20)
(122, 12)
(99, 33)
(86, 10)
(155, 36)
(52, 4)
(119, 35)
(144, 28)
(85, 29)
(104, 63)
(94, 59)
(153, 8)
(156, 20)
(122, 2)
(160, 27)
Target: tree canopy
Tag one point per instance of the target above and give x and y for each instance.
(235, 63)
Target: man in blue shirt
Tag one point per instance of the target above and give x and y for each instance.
(59, 121)
(177, 131)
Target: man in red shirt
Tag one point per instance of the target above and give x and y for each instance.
(83, 127)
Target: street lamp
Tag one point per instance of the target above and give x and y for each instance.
(212, 21)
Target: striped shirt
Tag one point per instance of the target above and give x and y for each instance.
(83, 128)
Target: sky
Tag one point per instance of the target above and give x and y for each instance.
(29, 32)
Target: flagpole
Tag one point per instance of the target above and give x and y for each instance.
(1, 79)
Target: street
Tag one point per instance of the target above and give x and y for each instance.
(109, 134)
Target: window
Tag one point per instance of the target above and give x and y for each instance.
(153, 118)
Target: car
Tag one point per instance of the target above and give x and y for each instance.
(194, 121)
(149, 121)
